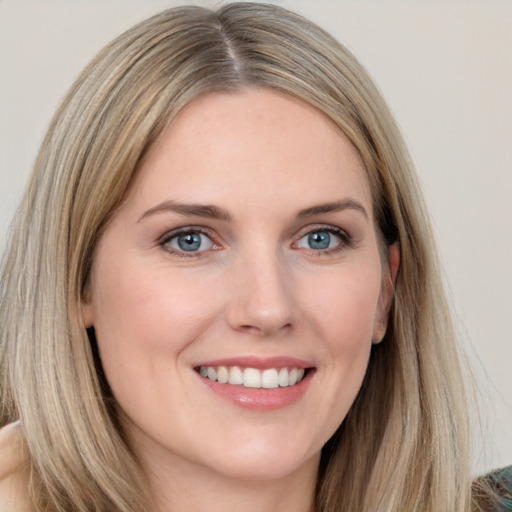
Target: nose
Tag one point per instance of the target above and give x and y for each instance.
(262, 302)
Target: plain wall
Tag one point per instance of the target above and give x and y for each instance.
(445, 67)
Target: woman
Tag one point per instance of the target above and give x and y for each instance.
(220, 290)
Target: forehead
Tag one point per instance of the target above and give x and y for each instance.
(250, 144)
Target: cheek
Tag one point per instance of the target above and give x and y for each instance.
(343, 307)
(144, 304)
(145, 321)
(143, 317)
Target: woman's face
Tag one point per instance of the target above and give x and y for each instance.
(245, 255)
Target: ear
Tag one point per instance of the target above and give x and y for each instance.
(390, 272)
(87, 309)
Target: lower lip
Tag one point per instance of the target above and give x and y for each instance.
(260, 399)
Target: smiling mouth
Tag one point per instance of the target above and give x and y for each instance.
(269, 378)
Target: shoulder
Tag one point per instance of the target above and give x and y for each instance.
(13, 471)
(501, 482)
(493, 492)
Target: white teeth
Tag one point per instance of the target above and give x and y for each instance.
(270, 378)
(252, 378)
(222, 374)
(283, 377)
(236, 376)
(212, 373)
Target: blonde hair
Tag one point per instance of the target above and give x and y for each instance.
(404, 443)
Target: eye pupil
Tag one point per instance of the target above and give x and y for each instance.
(319, 240)
(189, 241)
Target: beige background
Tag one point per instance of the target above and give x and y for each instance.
(445, 67)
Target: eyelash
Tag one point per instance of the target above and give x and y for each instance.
(165, 241)
(345, 241)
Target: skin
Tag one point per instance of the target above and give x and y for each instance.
(14, 474)
(256, 287)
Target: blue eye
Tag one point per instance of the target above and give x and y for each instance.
(321, 240)
(189, 241)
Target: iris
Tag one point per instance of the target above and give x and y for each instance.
(319, 240)
(189, 241)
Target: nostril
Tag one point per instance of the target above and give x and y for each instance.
(265, 328)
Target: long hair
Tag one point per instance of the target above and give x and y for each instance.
(403, 445)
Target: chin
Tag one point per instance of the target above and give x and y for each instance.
(257, 463)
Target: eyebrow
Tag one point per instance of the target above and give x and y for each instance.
(197, 210)
(333, 207)
(215, 212)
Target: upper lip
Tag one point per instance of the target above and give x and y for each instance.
(260, 363)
